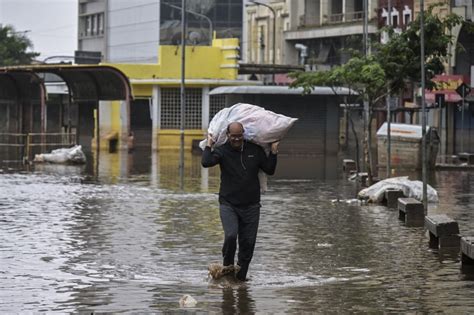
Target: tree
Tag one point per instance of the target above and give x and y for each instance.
(13, 48)
(389, 69)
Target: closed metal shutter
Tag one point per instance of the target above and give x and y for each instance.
(315, 132)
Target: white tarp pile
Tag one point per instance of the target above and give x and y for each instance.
(261, 126)
(410, 188)
(72, 155)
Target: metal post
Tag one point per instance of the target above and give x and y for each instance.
(423, 111)
(462, 122)
(183, 90)
(365, 28)
(389, 116)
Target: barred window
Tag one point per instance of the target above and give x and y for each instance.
(216, 103)
(171, 108)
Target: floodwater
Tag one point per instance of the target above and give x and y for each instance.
(126, 234)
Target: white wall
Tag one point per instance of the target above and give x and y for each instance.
(133, 30)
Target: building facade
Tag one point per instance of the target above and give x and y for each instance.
(314, 33)
(131, 31)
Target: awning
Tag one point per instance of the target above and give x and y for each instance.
(449, 96)
(85, 83)
(20, 85)
(251, 68)
(278, 90)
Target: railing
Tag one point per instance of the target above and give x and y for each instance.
(12, 139)
(346, 17)
(24, 146)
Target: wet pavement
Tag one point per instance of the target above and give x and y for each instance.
(126, 234)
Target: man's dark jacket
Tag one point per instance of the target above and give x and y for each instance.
(239, 171)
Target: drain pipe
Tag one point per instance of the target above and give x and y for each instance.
(303, 49)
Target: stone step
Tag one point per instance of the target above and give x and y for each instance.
(467, 250)
(391, 196)
(441, 225)
(411, 211)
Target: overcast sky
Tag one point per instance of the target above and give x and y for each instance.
(50, 24)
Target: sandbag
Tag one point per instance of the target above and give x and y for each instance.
(72, 155)
(410, 188)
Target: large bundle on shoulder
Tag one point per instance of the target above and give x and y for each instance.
(262, 127)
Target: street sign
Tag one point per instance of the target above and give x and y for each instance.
(463, 90)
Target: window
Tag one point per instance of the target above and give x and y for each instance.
(216, 103)
(88, 29)
(395, 20)
(171, 109)
(407, 19)
(407, 13)
(92, 25)
(93, 29)
(100, 23)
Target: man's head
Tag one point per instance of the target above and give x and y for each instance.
(235, 133)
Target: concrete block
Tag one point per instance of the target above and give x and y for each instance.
(392, 195)
(444, 231)
(411, 211)
(348, 165)
(441, 225)
(467, 249)
(449, 241)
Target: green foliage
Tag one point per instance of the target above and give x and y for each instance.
(13, 48)
(400, 57)
(363, 75)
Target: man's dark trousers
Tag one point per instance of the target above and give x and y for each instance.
(239, 223)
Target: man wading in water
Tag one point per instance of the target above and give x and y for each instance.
(239, 194)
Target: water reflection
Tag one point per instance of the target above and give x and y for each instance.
(120, 235)
(237, 301)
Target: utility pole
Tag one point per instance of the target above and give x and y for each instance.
(365, 28)
(423, 105)
(389, 112)
(183, 90)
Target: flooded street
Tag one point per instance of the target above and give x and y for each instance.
(122, 236)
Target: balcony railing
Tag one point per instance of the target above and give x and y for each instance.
(346, 17)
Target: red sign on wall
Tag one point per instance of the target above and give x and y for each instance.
(447, 85)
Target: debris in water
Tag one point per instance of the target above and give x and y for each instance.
(187, 301)
(217, 271)
(72, 155)
(410, 189)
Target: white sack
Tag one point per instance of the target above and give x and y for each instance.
(72, 155)
(261, 126)
(410, 188)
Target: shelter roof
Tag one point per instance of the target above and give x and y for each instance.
(280, 90)
(85, 82)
